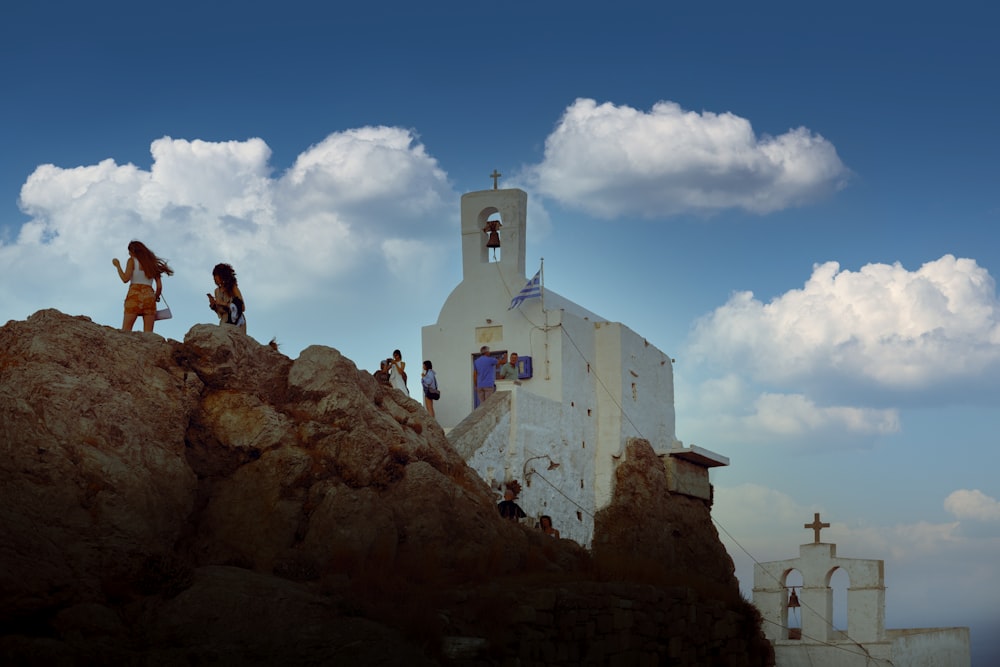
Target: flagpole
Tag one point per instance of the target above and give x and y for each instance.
(541, 284)
(545, 313)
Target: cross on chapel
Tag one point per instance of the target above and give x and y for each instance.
(495, 175)
(816, 526)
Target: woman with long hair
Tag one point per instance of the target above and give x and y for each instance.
(227, 302)
(429, 381)
(142, 269)
(545, 524)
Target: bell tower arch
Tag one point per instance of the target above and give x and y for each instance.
(493, 233)
(817, 562)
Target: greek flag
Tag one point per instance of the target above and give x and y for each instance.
(532, 290)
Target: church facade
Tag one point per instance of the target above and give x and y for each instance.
(585, 385)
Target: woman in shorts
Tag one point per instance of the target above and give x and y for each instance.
(142, 269)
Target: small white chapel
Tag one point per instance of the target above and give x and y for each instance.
(585, 385)
(866, 642)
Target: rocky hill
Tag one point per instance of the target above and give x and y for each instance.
(213, 501)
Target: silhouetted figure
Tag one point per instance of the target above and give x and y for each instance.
(508, 508)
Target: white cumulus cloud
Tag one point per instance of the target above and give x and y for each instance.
(972, 504)
(613, 161)
(363, 217)
(883, 326)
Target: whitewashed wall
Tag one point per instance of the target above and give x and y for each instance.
(595, 383)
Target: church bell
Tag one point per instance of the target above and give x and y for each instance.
(793, 599)
(492, 228)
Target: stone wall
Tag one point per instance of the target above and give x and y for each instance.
(617, 624)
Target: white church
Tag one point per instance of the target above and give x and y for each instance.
(585, 386)
(865, 642)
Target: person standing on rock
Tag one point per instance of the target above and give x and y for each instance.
(142, 269)
(227, 302)
(397, 372)
(429, 381)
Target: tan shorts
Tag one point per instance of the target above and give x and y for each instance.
(140, 300)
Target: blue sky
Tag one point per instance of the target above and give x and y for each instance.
(797, 203)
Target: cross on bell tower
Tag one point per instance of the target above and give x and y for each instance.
(817, 526)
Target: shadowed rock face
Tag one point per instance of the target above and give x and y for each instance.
(657, 530)
(215, 499)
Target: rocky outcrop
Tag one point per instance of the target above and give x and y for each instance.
(675, 539)
(94, 467)
(212, 500)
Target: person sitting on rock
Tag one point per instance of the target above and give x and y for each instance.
(545, 524)
(382, 374)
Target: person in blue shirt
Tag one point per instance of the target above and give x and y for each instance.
(485, 373)
(429, 381)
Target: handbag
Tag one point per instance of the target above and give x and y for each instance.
(164, 313)
(433, 392)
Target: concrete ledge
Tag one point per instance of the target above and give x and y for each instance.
(700, 456)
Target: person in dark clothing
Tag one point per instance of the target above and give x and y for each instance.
(382, 374)
(508, 508)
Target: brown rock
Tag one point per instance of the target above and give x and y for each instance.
(665, 536)
(215, 501)
(94, 473)
(266, 620)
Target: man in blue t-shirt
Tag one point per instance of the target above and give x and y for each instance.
(485, 373)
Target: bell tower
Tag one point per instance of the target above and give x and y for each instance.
(817, 563)
(493, 226)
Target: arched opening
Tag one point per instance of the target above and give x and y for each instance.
(792, 618)
(492, 226)
(839, 581)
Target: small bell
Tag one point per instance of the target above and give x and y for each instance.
(492, 228)
(793, 599)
